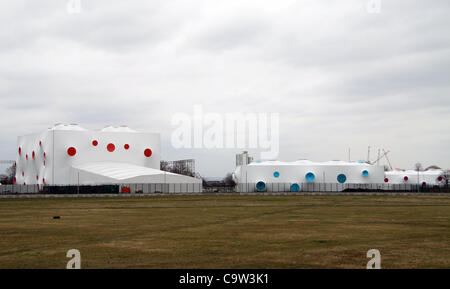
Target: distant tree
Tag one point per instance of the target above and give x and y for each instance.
(228, 180)
(8, 178)
(418, 167)
(164, 166)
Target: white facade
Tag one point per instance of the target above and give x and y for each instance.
(429, 177)
(71, 155)
(305, 172)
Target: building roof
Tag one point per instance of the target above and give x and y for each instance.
(119, 171)
(308, 162)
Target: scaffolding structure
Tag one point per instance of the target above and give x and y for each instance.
(182, 167)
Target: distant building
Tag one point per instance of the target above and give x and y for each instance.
(428, 177)
(270, 175)
(71, 155)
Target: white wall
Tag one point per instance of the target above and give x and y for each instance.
(295, 173)
(430, 177)
(55, 143)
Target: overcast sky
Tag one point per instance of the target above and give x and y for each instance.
(338, 76)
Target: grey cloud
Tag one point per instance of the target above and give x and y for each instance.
(337, 75)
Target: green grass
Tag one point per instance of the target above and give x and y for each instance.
(226, 232)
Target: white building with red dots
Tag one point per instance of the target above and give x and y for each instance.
(433, 177)
(72, 155)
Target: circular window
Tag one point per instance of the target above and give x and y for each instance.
(71, 151)
(310, 177)
(276, 174)
(295, 188)
(341, 178)
(110, 147)
(148, 153)
(260, 186)
(365, 173)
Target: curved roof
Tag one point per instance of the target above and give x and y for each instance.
(119, 171)
(122, 128)
(72, 126)
(308, 162)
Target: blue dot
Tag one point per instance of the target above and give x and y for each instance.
(310, 177)
(295, 188)
(341, 178)
(365, 173)
(276, 174)
(260, 186)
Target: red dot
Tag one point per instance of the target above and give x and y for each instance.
(111, 147)
(32, 154)
(23, 173)
(44, 155)
(406, 178)
(15, 180)
(20, 150)
(40, 143)
(71, 151)
(424, 183)
(26, 156)
(95, 143)
(24, 183)
(148, 152)
(44, 163)
(126, 146)
(439, 178)
(386, 180)
(43, 180)
(37, 177)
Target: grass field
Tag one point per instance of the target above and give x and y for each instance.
(226, 232)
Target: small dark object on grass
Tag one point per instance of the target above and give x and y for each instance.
(56, 217)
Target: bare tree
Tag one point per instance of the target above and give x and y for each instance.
(418, 167)
(228, 180)
(8, 178)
